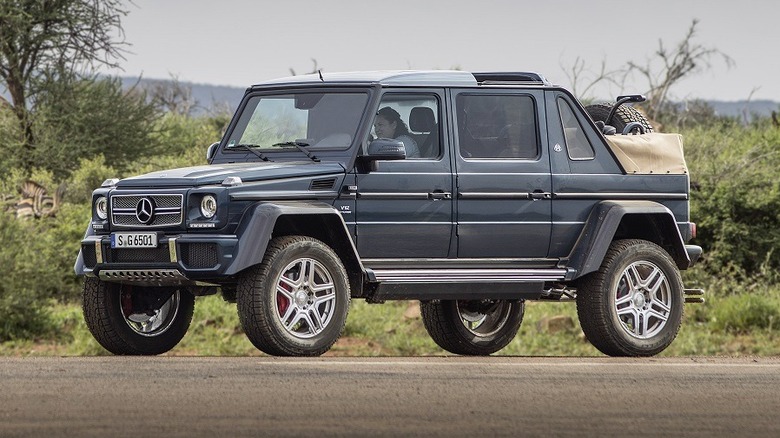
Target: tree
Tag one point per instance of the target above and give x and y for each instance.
(583, 81)
(43, 40)
(84, 117)
(661, 71)
(668, 67)
(172, 96)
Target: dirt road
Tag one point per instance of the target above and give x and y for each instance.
(166, 396)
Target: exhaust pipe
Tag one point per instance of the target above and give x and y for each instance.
(694, 295)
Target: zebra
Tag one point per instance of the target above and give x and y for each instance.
(35, 201)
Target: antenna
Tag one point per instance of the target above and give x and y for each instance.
(319, 71)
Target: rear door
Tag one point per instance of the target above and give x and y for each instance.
(503, 174)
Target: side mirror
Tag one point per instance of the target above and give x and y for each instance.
(386, 149)
(211, 151)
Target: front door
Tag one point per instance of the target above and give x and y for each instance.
(404, 208)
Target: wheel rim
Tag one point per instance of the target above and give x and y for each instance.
(643, 300)
(149, 323)
(483, 322)
(305, 298)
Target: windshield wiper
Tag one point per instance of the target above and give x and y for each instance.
(301, 146)
(250, 148)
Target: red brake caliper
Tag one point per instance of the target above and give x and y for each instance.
(282, 302)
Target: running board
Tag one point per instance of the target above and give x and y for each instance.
(462, 284)
(407, 276)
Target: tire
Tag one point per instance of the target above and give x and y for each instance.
(623, 116)
(134, 320)
(624, 320)
(284, 314)
(473, 328)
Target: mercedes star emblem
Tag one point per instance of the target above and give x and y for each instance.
(144, 210)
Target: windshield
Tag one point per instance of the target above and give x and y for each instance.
(311, 119)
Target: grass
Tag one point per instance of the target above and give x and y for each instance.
(395, 329)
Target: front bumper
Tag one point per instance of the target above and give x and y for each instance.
(177, 260)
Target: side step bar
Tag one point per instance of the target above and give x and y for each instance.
(694, 295)
(406, 276)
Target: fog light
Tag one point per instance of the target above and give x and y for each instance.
(208, 206)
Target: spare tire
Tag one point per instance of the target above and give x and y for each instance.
(623, 116)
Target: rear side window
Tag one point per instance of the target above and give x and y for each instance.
(577, 144)
(497, 126)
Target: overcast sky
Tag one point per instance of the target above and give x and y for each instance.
(241, 42)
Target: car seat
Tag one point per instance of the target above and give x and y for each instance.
(422, 119)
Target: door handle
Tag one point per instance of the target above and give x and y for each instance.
(539, 194)
(439, 194)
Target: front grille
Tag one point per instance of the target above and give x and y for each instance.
(200, 255)
(90, 259)
(138, 255)
(168, 210)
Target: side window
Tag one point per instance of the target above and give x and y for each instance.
(577, 144)
(497, 126)
(413, 119)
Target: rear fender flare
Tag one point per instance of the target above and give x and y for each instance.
(604, 222)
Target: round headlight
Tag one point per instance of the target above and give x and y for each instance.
(101, 208)
(208, 206)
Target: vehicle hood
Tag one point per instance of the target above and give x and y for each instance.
(216, 173)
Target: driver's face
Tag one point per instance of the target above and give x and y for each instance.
(384, 128)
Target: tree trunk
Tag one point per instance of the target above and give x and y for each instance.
(19, 104)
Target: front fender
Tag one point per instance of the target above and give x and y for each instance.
(262, 220)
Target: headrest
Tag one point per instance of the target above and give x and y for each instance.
(422, 119)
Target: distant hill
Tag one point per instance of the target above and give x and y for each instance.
(207, 97)
(753, 108)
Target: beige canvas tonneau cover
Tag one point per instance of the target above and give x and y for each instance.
(650, 153)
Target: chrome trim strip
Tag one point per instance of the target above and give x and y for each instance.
(157, 212)
(388, 195)
(414, 173)
(503, 173)
(462, 260)
(400, 276)
(620, 196)
(491, 195)
(402, 223)
(282, 195)
(502, 223)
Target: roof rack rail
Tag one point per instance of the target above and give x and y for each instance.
(504, 77)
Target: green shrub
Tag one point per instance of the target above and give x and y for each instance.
(746, 312)
(735, 195)
(37, 256)
(182, 142)
(89, 175)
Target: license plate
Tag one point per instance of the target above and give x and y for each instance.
(134, 240)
